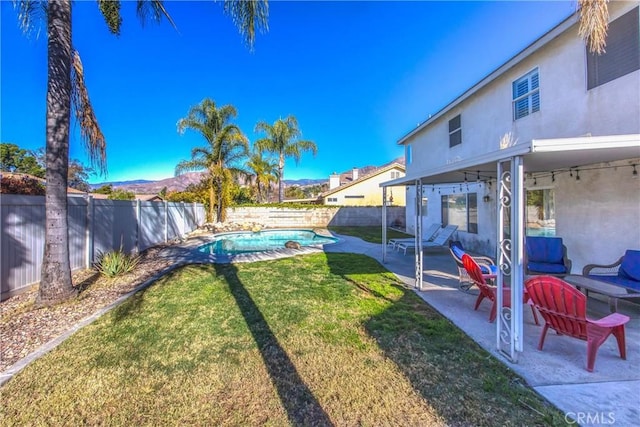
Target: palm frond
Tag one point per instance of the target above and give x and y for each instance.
(32, 14)
(154, 10)
(90, 131)
(189, 166)
(249, 15)
(110, 10)
(594, 23)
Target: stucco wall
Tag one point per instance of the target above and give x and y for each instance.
(315, 217)
(567, 108)
(598, 216)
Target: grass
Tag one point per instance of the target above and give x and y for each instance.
(369, 234)
(322, 339)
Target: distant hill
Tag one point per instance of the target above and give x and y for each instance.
(141, 186)
(304, 182)
(180, 183)
(119, 183)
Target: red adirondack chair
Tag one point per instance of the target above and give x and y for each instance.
(489, 291)
(564, 309)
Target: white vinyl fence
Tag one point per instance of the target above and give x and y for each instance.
(94, 226)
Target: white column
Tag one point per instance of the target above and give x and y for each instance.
(517, 239)
(509, 321)
(384, 224)
(418, 235)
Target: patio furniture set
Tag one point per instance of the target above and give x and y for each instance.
(553, 292)
(434, 236)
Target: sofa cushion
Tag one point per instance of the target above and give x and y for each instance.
(630, 267)
(618, 280)
(545, 249)
(545, 267)
(493, 269)
(457, 251)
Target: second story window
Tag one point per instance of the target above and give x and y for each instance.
(455, 131)
(526, 95)
(407, 154)
(622, 54)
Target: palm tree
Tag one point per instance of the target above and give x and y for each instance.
(282, 139)
(263, 172)
(65, 84)
(226, 146)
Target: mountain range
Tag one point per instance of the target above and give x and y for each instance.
(181, 182)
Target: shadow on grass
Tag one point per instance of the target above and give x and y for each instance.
(301, 405)
(453, 374)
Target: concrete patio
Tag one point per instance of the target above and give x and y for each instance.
(609, 395)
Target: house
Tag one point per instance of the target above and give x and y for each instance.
(364, 190)
(24, 183)
(548, 143)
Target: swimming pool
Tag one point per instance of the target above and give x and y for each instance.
(261, 241)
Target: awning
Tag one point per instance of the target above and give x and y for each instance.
(539, 155)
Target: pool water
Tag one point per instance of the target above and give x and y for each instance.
(260, 241)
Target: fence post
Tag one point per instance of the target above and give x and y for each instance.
(138, 228)
(166, 221)
(89, 232)
(184, 218)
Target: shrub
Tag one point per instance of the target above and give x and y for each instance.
(116, 263)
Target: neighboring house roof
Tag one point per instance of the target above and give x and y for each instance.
(376, 172)
(149, 197)
(19, 175)
(533, 47)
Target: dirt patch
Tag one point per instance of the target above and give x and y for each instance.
(23, 328)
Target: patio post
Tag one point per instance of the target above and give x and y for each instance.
(510, 256)
(384, 224)
(418, 234)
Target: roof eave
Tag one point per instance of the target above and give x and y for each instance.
(529, 50)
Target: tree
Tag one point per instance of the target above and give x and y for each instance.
(120, 194)
(18, 160)
(77, 174)
(262, 172)
(193, 193)
(226, 146)
(282, 139)
(105, 189)
(65, 84)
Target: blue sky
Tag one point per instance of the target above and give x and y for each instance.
(357, 75)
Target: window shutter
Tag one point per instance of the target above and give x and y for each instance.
(622, 54)
(535, 102)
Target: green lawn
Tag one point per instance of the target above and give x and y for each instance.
(322, 339)
(369, 234)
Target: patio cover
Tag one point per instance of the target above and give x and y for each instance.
(537, 155)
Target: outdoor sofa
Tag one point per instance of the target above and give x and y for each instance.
(624, 272)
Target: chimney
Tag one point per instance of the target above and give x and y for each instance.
(334, 181)
(354, 174)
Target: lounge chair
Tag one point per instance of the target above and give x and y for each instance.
(564, 309)
(546, 255)
(489, 291)
(427, 235)
(440, 239)
(486, 265)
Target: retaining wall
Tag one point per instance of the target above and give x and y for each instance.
(316, 217)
